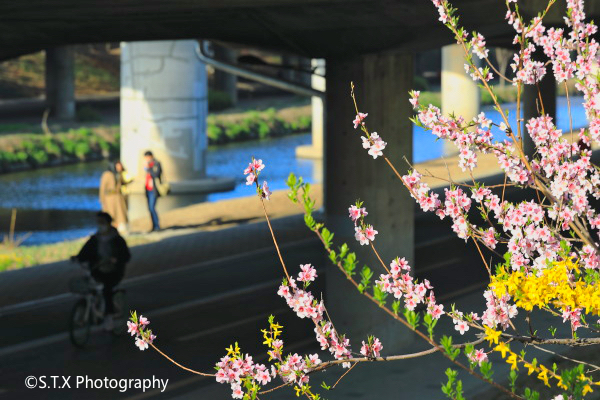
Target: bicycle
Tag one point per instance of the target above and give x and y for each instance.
(89, 309)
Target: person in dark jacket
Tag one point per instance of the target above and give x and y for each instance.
(153, 174)
(106, 253)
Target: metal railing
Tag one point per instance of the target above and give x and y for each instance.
(255, 76)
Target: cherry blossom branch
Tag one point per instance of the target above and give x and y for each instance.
(416, 331)
(579, 342)
(408, 356)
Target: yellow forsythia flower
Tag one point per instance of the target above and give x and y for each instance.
(543, 376)
(492, 335)
(512, 359)
(502, 348)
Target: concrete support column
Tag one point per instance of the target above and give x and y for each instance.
(163, 109)
(382, 82)
(460, 94)
(532, 108)
(315, 149)
(60, 82)
(224, 81)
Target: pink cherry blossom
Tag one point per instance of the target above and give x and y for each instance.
(375, 144)
(359, 119)
(371, 350)
(478, 356)
(132, 328)
(360, 236)
(478, 46)
(141, 344)
(460, 326)
(356, 213)
(308, 273)
(266, 193)
(414, 98)
(370, 232)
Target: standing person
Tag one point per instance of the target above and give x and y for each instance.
(111, 195)
(106, 253)
(153, 173)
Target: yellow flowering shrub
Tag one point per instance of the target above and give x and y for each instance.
(561, 285)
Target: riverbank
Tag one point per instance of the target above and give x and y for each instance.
(27, 146)
(211, 216)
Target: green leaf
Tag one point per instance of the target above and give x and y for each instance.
(513, 380)
(396, 306)
(366, 274)
(327, 237)
(349, 264)
(486, 370)
(291, 180)
(333, 256)
(379, 295)
(343, 250)
(412, 318)
(309, 221)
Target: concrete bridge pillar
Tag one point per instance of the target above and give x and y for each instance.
(60, 82)
(315, 149)
(382, 82)
(532, 107)
(164, 107)
(224, 81)
(460, 94)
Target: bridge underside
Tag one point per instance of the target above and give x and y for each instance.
(312, 28)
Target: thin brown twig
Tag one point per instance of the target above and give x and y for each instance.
(379, 258)
(274, 240)
(496, 71)
(179, 365)
(596, 367)
(487, 267)
(343, 375)
(275, 388)
(570, 116)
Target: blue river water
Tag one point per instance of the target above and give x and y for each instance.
(57, 204)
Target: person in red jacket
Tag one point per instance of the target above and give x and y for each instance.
(153, 174)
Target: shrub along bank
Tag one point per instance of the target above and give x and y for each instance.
(254, 125)
(21, 151)
(30, 150)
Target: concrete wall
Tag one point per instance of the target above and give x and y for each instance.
(383, 81)
(315, 149)
(460, 93)
(60, 82)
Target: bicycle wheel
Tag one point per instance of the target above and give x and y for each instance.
(121, 313)
(79, 325)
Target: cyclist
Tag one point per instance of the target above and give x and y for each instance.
(106, 253)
